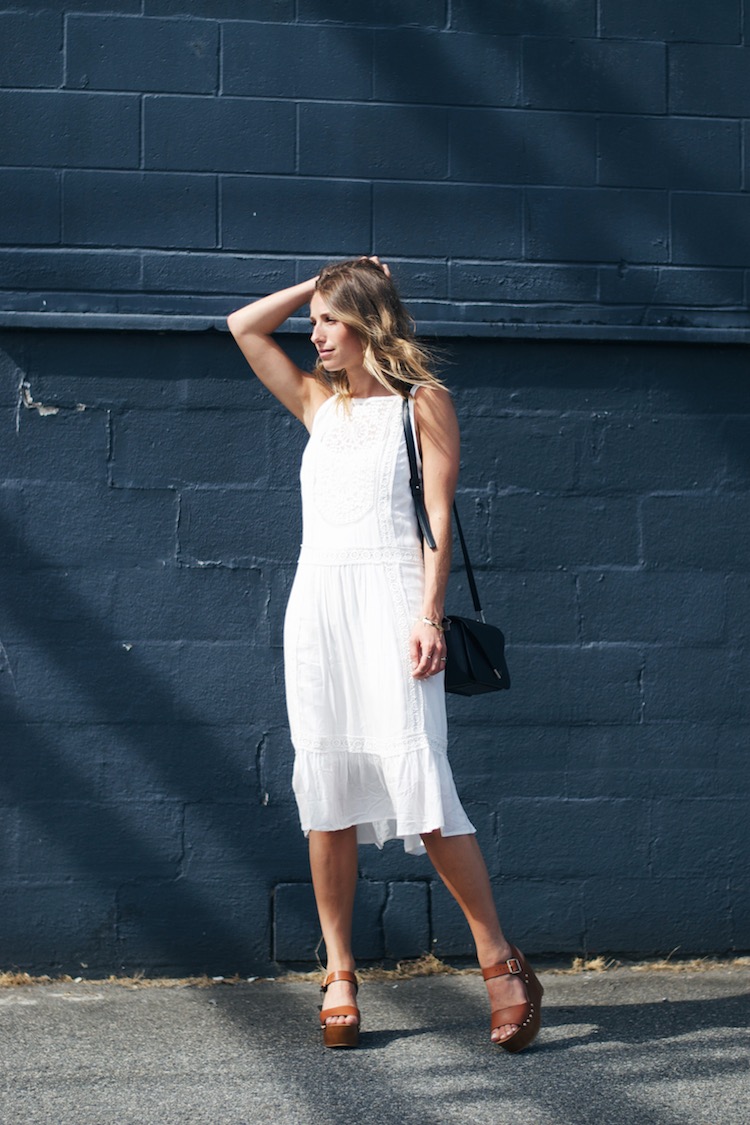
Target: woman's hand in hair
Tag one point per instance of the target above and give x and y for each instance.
(383, 265)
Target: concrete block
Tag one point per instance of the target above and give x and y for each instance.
(182, 927)
(670, 153)
(490, 760)
(627, 455)
(296, 928)
(159, 209)
(82, 935)
(515, 17)
(288, 215)
(70, 269)
(708, 80)
(739, 912)
(12, 520)
(538, 607)
(468, 221)
(451, 936)
(671, 20)
(505, 146)
(406, 921)
(652, 606)
(174, 603)
(377, 13)
(598, 225)
(329, 62)
(76, 525)
(563, 839)
(514, 451)
(738, 610)
(111, 53)
(685, 532)
(542, 915)
(594, 75)
(132, 7)
(521, 282)
(219, 134)
(277, 11)
(673, 758)
(735, 435)
(650, 916)
(435, 67)
(373, 141)
(390, 864)
(240, 842)
(31, 49)
(140, 762)
(557, 685)
(60, 605)
(710, 229)
(233, 526)
(586, 531)
(74, 130)
(421, 279)
(216, 273)
(152, 449)
(32, 206)
(700, 837)
(69, 445)
(94, 682)
(691, 683)
(106, 843)
(662, 285)
(219, 682)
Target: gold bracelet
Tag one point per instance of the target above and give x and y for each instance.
(435, 624)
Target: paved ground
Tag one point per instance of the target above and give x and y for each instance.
(617, 1048)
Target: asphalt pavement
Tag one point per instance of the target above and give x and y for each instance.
(622, 1047)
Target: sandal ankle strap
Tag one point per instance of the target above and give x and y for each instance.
(511, 967)
(340, 974)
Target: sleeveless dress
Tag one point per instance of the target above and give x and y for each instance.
(370, 741)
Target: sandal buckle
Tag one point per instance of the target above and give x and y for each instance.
(514, 966)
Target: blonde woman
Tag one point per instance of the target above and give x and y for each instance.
(364, 648)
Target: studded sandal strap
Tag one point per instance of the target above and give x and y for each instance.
(340, 974)
(343, 1010)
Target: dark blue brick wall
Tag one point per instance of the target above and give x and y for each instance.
(534, 168)
(150, 519)
(557, 150)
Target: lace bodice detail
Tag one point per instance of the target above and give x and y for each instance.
(356, 500)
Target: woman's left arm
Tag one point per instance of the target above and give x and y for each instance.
(437, 427)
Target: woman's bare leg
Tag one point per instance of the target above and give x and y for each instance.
(459, 863)
(333, 862)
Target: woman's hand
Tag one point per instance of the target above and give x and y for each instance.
(428, 651)
(374, 258)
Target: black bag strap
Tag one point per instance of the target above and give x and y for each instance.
(415, 483)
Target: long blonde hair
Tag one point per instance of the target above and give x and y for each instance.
(360, 294)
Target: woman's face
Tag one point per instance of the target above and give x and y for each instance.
(337, 344)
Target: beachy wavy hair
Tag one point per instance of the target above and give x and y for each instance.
(361, 295)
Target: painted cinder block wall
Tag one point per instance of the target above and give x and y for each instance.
(561, 191)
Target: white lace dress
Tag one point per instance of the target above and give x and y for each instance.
(369, 739)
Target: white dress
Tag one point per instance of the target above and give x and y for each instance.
(369, 739)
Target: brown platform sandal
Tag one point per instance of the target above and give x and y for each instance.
(528, 1016)
(340, 1034)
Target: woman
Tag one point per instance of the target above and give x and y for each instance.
(363, 636)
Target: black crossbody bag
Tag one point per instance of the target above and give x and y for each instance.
(476, 650)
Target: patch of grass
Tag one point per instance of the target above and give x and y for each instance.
(426, 966)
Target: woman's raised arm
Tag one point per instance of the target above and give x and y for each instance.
(252, 328)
